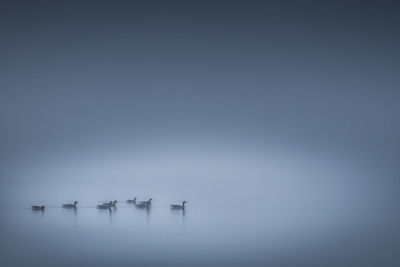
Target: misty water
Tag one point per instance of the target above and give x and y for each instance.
(254, 210)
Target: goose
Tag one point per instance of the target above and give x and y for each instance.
(144, 204)
(180, 207)
(148, 202)
(38, 207)
(132, 200)
(70, 206)
(111, 203)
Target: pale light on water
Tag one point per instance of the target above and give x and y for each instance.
(249, 213)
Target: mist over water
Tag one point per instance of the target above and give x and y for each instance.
(246, 205)
(278, 123)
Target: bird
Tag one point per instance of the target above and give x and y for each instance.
(70, 206)
(111, 203)
(179, 207)
(38, 207)
(132, 200)
(144, 204)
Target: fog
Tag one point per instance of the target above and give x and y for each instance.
(277, 122)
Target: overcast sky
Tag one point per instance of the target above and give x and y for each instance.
(104, 81)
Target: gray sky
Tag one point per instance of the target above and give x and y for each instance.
(102, 82)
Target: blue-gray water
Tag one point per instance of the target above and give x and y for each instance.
(244, 208)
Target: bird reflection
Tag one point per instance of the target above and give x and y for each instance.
(38, 212)
(148, 213)
(72, 210)
(147, 209)
(180, 212)
(111, 213)
(110, 210)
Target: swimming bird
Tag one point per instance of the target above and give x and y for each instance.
(38, 207)
(111, 203)
(147, 202)
(179, 207)
(144, 204)
(132, 200)
(70, 206)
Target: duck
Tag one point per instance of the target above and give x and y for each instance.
(38, 207)
(70, 206)
(111, 203)
(131, 200)
(179, 207)
(144, 204)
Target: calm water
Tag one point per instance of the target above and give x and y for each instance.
(241, 211)
(234, 232)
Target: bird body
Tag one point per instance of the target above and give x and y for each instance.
(38, 207)
(70, 206)
(144, 204)
(132, 200)
(111, 203)
(180, 207)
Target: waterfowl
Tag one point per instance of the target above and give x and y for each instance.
(38, 207)
(108, 203)
(111, 203)
(132, 200)
(70, 206)
(144, 204)
(180, 207)
(148, 202)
